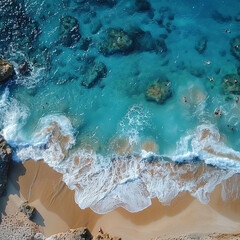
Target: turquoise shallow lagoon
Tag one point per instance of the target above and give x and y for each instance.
(80, 101)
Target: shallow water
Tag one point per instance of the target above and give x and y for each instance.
(113, 146)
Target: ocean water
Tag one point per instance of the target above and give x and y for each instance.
(113, 146)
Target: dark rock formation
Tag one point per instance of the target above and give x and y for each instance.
(69, 31)
(92, 73)
(6, 70)
(142, 5)
(24, 68)
(235, 47)
(5, 158)
(73, 234)
(143, 41)
(201, 45)
(159, 91)
(238, 71)
(196, 71)
(110, 3)
(231, 84)
(237, 18)
(84, 43)
(27, 210)
(116, 41)
(221, 18)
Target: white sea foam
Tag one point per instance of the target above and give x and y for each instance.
(13, 117)
(130, 181)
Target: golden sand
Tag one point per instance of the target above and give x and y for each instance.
(58, 212)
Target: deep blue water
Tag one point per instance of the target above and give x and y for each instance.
(113, 146)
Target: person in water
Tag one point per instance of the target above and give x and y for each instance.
(237, 99)
(211, 79)
(184, 99)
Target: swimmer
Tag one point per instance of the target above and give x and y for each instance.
(237, 46)
(46, 103)
(42, 107)
(226, 80)
(100, 230)
(237, 99)
(217, 111)
(220, 114)
(168, 84)
(231, 128)
(235, 80)
(227, 31)
(211, 79)
(207, 62)
(184, 99)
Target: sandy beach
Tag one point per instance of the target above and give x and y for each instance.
(57, 211)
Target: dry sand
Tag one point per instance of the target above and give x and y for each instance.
(58, 212)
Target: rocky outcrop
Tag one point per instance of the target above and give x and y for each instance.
(105, 236)
(235, 47)
(27, 210)
(19, 227)
(231, 84)
(73, 234)
(69, 31)
(5, 158)
(201, 45)
(6, 70)
(116, 41)
(159, 91)
(92, 73)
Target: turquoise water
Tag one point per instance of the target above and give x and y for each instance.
(113, 146)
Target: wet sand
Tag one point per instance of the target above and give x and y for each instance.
(58, 212)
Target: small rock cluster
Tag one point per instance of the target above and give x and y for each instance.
(159, 91)
(6, 70)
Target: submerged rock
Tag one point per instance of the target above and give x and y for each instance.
(5, 158)
(92, 73)
(238, 71)
(73, 234)
(231, 84)
(201, 45)
(116, 41)
(6, 70)
(142, 5)
(220, 18)
(24, 68)
(159, 91)
(69, 31)
(144, 41)
(235, 47)
(109, 3)
(237, 18)
(84, 43)
(27, 210)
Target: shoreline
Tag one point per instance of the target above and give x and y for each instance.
(54, 202)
